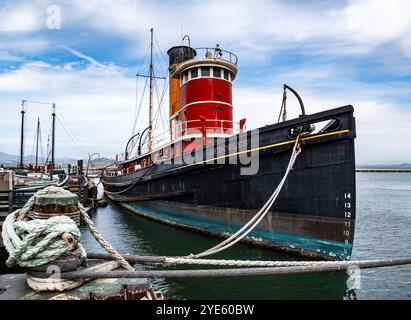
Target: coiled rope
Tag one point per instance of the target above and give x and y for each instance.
(32, 243)
(37, 242)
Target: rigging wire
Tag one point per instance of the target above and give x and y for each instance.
(139, 108)
(41, 145)
(32, 148)
(160, 112)
(71, 132)
(71, 135)
(159, 49)
(39, 102)
(160, 106)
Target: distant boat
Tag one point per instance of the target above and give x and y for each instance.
(38, 175)
(314, 215)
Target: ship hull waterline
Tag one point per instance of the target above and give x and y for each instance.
(313, 216)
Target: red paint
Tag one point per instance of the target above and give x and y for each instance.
(217, 117)
(205, 109)
(203, 89)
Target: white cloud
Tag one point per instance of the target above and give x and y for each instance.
(357, 26)
(98, 98)
(83, 56)
(96, 102)
(20, 18)
(382, 127)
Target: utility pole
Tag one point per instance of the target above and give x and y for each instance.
(23, 102)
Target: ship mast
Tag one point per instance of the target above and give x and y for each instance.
(22, 135)
(151, 77)
(37, 144)
(150, 107)
(53, 135)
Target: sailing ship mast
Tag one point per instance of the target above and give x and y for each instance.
(53, 135)
(37, 144)
(151, 77)
(23, 102)
(150, 107)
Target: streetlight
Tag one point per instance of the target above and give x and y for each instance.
(88, 162)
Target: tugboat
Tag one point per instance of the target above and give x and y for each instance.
(204, 177)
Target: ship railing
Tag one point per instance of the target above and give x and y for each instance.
(195, 128)
(217, 53)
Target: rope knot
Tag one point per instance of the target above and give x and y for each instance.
(32, 243)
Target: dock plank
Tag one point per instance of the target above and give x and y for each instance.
(14, 287)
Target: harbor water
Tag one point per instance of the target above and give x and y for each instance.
(382, 231)
(383, 220)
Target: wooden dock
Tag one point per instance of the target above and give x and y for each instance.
(14, 287)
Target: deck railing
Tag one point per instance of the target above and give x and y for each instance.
(217, 53)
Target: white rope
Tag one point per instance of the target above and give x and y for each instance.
(250, 225)
(37, 242)
(32, 243)
(253, 263)
(99, 238)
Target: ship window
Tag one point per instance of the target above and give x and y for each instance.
(226, 75)
(185, 76)
(205, 71)
(194, 73)
(217, 72)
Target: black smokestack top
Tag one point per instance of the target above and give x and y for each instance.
(180, 54)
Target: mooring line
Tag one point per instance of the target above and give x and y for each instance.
(237, 272)
(255, 220)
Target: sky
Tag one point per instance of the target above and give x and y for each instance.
(84, 55)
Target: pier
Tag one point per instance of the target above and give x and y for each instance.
(54, 213)
(384, 170)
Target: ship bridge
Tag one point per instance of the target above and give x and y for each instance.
(201, 94)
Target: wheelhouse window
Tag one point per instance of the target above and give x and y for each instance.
(205, 71)
(194, 73)
(217, 72)
(185, 76)
(226, 75)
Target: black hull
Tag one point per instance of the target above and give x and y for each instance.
(314, 215)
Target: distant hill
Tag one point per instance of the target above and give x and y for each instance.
(101, 162)
(8, 159)
(385, 166)
(11, 159)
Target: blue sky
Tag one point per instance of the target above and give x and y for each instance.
(333, 52)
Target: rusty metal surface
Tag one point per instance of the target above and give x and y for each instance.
(61, 199)
(14, 287)
(55, 208)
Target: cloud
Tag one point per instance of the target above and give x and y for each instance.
(381, 126)
(96, 105)
(20, 18)
(83, 56)
(357, 26)
(333, 53)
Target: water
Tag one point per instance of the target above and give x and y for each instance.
(383, 231)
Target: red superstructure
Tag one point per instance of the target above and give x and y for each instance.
(204, 96)
(201, 105)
